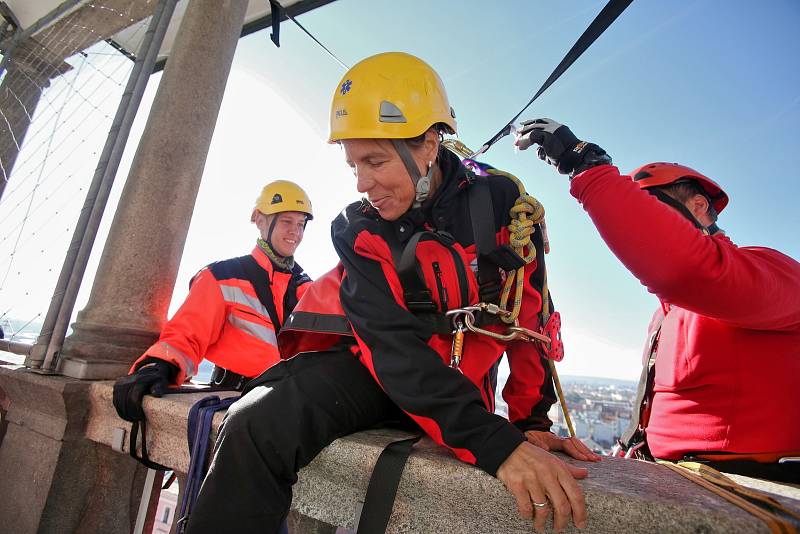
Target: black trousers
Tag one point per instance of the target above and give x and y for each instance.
(288, 415)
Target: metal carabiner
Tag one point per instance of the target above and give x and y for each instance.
(528, 335)
(469, 320)
(457, 349)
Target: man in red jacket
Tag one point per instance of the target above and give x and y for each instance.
(722, 372)
(234, 309)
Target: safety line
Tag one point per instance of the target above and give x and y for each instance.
(339, 61)
(600, 24)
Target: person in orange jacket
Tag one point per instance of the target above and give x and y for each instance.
(722, 370)
(234, 308)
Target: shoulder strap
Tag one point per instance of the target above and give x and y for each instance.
(257, 276)
(481, 212)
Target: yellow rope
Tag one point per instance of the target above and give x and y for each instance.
(525, 214)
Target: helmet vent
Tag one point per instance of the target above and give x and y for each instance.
(641, 175)
(391, 113)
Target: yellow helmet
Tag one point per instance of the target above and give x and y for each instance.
(280, 196)
(389, 96)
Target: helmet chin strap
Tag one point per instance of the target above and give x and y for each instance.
(269, 235)
(422, 184)
(678, 205)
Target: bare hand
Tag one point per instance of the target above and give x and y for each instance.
(533, 475)
(572, 447)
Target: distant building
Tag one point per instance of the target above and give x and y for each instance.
(167, 508)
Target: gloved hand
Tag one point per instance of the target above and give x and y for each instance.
(154, 377)
(559, 147)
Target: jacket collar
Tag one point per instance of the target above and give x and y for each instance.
(264, 261)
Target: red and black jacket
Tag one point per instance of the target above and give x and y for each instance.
(405, 352)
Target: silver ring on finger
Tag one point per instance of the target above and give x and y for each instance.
(540, 504)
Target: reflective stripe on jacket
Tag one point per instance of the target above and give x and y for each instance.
(728, 360)
(402, 352)
(223, 320)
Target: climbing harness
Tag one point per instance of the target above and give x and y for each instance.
(633, 442)
(776, 516)
(600, 24)
(526, 214)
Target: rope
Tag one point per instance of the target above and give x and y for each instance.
(760, 505)
(525, 214)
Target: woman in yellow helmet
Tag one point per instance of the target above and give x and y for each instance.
(409, 252)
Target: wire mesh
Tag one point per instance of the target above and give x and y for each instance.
(57, 104)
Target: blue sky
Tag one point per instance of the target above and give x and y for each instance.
(712, 84)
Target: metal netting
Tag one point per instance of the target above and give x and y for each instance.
(55, 114)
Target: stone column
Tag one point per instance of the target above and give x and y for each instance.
(132, 290)
(30, 69)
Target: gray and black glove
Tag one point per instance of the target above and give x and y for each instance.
(153, 377)
(559, 147)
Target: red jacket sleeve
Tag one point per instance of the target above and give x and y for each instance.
(195, 326)
(755, 288)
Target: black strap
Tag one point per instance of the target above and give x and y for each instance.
(640, 417)
(144, 459)
(417, 295)
(604, 19)
(257, 276)
(481, 213)
(276, 12)
(382, 488)
(677, 204)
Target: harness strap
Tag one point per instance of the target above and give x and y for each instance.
(482, 215)
(418, 297)
(635, 434)
(201, 416)
(383, 484)
(756, 503)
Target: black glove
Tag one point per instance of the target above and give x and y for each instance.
(559, 147)
(153, 376)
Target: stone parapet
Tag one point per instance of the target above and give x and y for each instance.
(438, 493)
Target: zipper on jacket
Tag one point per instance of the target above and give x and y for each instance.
(437, 271)
(463, 284)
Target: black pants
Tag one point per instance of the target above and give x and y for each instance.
(288, 415)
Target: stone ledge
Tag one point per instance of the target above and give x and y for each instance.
(438, 493)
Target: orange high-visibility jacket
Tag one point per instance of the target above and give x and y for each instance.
(224, 321)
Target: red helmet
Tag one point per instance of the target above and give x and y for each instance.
(661, 173)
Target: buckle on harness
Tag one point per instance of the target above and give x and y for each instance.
(420, 302)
